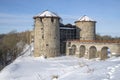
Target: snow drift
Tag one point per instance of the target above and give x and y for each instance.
(27, 67)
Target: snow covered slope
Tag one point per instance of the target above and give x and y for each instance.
(65, 68)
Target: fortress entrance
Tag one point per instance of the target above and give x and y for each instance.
(82, 51)
(92, 52)
(105, 53)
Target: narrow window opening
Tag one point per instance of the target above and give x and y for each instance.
(41, 19)
(46, 44)
(42, 36)
(41, 28)
(52, 20)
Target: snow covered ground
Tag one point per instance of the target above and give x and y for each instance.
(26, 67)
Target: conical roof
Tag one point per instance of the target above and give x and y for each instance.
(47, 14)
(85, 18)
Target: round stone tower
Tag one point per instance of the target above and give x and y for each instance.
(46, 34)
(85, 28)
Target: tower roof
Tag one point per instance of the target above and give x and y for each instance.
(47, 14)
(85, 18)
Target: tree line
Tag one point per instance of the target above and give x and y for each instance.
(11, 45)
(106, 37)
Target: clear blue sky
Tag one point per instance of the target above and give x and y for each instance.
(18, 14)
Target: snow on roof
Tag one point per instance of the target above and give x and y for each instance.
(85, 18)
(47, 14)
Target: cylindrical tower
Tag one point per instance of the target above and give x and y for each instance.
(85, 28)
(47, 34)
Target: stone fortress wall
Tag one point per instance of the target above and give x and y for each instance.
(87, 46)
(48, 37)
(93, 49)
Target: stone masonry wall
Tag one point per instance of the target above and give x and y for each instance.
(87, 30)
(47, 38)
(113, 47)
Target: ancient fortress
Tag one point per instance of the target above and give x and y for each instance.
(51, 38)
